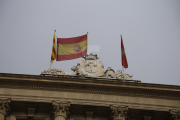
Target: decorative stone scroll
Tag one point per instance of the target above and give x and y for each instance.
(110, 73)
(174, 114)
(5, 107)
(121, 75)
(54, 71)
(90, 67)
(118, 112)
(60, 109)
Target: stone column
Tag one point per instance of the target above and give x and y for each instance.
(4, 108)
(89, 115)
(118, 112)
(174, 114)
(60, 110)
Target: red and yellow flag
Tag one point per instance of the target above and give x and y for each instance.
(71, 48)
(123, 55)
(53, 54)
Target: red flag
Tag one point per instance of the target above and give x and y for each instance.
(123, 55)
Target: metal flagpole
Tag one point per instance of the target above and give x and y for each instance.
(55, 44)
(87, 42)
(121, 54)
(51, 64)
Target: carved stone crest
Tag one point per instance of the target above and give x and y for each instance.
(89, 67)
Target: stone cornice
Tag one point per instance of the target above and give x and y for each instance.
(89, 85)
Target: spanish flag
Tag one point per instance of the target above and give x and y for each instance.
(53, 54)
(71, 48)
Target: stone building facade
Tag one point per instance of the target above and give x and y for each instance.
(86, 94)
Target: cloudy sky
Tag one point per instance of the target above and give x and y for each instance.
(150, 30)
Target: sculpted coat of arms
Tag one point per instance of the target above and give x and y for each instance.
(89, 67)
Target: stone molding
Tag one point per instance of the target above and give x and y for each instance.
(84, 90)
(91, 85)
(118, 112)
(174, 114)
(60, 109)
(5, 107)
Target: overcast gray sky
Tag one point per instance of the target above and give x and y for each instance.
(150, 30)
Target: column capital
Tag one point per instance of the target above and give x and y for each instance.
(60, 109)
(118, 112)
(5, 106)
(174, 114)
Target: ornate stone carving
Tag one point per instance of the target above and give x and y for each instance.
(5, 106)
(121, 75)
(174, 114)
(60, 109)
(90, 57)
(110, 73)
(90, 67)
(118, 113)
(54, 71)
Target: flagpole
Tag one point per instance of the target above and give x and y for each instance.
(51, 64)
(87, 42)
(55, 44)
(121, 55)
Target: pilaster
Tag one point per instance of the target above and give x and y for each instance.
(118, 112)
(174, 114)
(89, 115)
(4, 108)
(60, 110)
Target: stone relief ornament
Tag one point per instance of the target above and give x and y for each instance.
(5, 107)
(121, 75)
(90, 67)
(54, 71)
(110, 73)
(174, 114)
(118, 112)
(60, 109)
